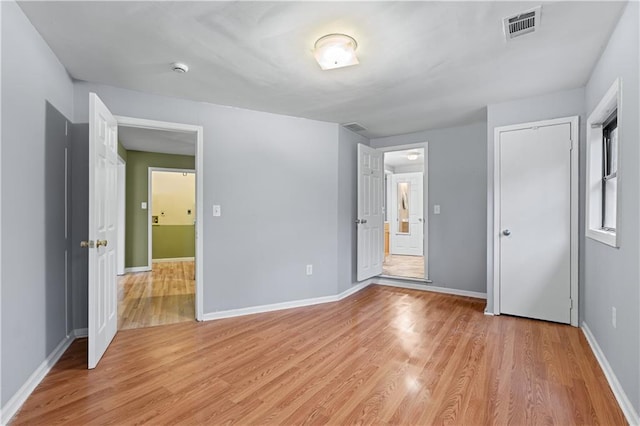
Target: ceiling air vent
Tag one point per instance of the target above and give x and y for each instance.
(522, 23)
(354, 127)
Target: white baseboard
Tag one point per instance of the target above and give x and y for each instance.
(327, 299)
(624, 402)
(80, 332)
(136, 269)
(284, 305)
(354, 289)
(13, 405)
(426, 287)
(174, 259)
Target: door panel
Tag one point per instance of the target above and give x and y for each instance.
(103, 162)
(535, 216)
(370, 221)
(407, 232)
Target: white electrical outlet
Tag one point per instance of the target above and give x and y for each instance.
(614, 320)
(143, 205)
(217, 211)
(436, 209)
(309, 269)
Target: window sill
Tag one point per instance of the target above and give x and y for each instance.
(605, 237)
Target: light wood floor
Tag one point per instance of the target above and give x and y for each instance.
(166, 295)
(403, 266)
(381, 356)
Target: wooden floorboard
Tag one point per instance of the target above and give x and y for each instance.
(165, 295)
(382, 356)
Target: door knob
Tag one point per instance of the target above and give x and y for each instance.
(358, 221)
(506, 232)
(102, 243)
(86, 244)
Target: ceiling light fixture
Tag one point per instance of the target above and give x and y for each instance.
(179, 67)
(412, 156)
(335, 51)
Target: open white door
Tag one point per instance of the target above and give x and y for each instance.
(103, 219)
(407, 225)
(370, 222)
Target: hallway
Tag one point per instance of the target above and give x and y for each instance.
(165, 295)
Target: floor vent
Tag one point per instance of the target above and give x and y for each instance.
(354, 127)
(522, 23)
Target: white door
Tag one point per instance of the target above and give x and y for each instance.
(370, 221)
(407, 223)
(535, 222)
(103, 193)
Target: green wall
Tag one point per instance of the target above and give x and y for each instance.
(171, 241)
(138, 163)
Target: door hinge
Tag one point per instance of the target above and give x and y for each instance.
(570, 144)
(66, 128)
(570, 303)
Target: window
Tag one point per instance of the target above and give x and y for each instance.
(603, 141)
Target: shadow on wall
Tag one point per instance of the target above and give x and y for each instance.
(55, 247)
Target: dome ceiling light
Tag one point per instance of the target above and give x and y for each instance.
(335, 51)
(412, 156)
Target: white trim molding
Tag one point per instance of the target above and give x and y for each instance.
(79, 333)
(13, 405)
(593, 193)
(622, 398)
(174, 259)
(134, 269)
(575, 132)
(425, 196)
(286, 305)
(199, 132)
(412, 285)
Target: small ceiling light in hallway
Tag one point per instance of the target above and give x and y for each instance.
(336, 51)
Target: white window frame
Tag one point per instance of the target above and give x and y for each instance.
(593, 208)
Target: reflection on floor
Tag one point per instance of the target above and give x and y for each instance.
(403, 266)
(165, 295)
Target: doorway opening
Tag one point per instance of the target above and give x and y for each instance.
(404, 200)
(159, 285)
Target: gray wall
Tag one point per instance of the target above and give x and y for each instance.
(555, 105)
(612, 277)
(79, 213)
(275, 178)
(457, 173)
(33, 291)
(347, 207)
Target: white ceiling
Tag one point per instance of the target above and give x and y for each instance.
(422, 64)
(163, 141)
(399, 158)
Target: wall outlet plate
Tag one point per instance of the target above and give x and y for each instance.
(309, 269)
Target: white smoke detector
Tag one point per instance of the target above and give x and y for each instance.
(179, 67)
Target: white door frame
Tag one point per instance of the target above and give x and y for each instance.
(122, 191)
(425, 197)
(150, 205)
(198, 130)
(574, 122)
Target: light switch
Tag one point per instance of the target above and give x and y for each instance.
(436, 209)
(216, 211)
(143, 205)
